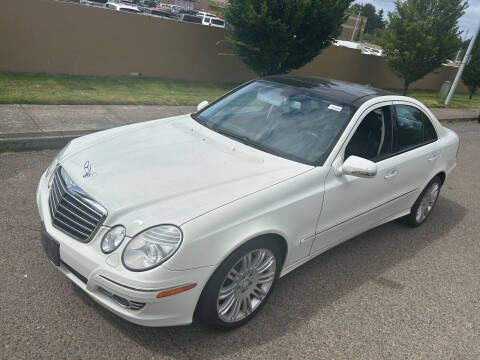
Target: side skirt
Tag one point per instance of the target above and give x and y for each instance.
(299, 263)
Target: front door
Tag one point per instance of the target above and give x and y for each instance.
(353, 204)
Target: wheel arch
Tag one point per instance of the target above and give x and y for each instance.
(278, 239)
(442, 175)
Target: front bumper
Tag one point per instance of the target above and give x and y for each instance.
(107, 281)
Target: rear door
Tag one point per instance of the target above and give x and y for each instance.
(415, 147)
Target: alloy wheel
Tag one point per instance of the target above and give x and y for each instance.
(427, 202)
(246, 285)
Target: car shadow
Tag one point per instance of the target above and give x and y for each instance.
(302, 293)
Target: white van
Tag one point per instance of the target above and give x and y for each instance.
(212, 21)
(203, 13)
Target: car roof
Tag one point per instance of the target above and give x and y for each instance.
(344, 92)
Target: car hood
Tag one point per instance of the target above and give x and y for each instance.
(169, 171)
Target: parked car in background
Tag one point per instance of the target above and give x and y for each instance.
(202, 213)
(162, 11)
(175, 8)
(190, 18)
(203, 13)
(99, 3)
(371, 51)
(217, 22)
(345, 43)
(189, 12)
(147, 3)
(213, 21)
(144, 5)
(366, 50)
(120, 6)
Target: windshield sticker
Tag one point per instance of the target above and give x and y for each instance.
(334, 107)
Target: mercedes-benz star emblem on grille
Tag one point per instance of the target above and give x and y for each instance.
(88, 169)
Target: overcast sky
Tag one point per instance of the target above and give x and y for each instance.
(469, 20)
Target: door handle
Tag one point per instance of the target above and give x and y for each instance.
(391, 174)
(433, 157)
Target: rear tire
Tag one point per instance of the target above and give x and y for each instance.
(241, 285)
(423, 206)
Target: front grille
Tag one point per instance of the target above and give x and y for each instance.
(72, 210)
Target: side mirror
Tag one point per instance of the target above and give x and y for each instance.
(202, 105)
(357, 166)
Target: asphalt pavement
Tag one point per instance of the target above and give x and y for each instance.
(391, 293)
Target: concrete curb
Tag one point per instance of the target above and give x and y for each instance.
(468, 118)
(58, 139)
(36, 127)
(39, 140)
(17, 117)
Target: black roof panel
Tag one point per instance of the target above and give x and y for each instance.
(344, 92)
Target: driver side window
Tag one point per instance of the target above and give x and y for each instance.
(373, 137)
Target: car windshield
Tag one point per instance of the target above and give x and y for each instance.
(292, 122)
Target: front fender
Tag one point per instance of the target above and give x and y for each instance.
(289, 209)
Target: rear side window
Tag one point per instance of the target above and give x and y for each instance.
(429, 131)
(217, 22)
(413, 128)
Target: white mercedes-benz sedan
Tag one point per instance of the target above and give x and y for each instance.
(197, 216)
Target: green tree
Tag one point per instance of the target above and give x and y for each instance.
(374, 20)
(421, 35)
(374, 37)
(355, 8)
(276, 36)
(217, 8)
(471, 73)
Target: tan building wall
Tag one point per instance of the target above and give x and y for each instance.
(350, 65)
(58, 37)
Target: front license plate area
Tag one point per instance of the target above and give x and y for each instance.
(51, 247)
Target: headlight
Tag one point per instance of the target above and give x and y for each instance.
(151, 247)
(112, 239)
(54, 162)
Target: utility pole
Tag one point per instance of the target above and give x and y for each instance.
(355, 28)
(460, 50)
(465, 61)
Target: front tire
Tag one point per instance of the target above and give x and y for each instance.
(423, 206)
(241, 285)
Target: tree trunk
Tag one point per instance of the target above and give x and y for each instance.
(472, 90)
(405, 89)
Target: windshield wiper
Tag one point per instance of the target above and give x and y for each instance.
(246, 140)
